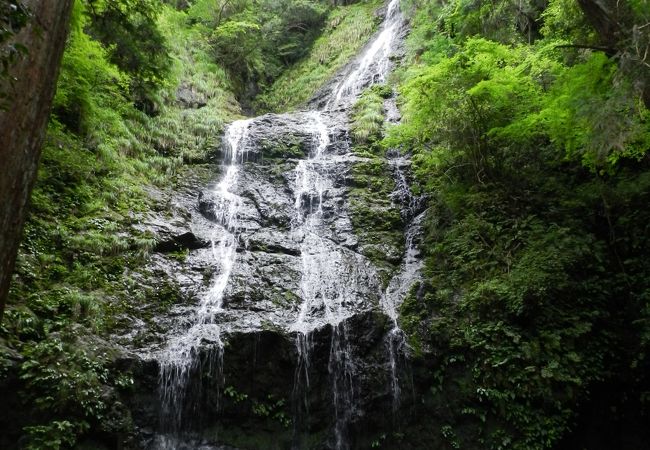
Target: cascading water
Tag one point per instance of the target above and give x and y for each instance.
(374, 64)
(401, 283)
(310, 186)
(181, 361)
(327, 285)
(328, 278)
(334, 279)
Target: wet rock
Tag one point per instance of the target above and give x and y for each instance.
(265, 281)
(272, 198)
(281, 341)
(271, 240)
(259, 374)
(248, 215)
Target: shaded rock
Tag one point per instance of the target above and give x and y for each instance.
(270, 240)
(260, 374)
(186, 240)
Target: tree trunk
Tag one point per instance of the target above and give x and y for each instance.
(23, 124)
(619, 30)
(602, 15)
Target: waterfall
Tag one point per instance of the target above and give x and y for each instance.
(310, 186)
(374, 64)
(181, 361)
(409, 272)
(334, 278)
(326, 283)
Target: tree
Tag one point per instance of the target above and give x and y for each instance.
(29, 89)
(622, 28)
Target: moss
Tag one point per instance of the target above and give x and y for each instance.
(282, 298)
(179, 255)
(289, 147)
(277, 170)
(376, 220)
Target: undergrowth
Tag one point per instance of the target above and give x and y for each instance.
(346, 30)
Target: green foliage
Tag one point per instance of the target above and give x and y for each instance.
(608, 121)
(346, 29)
(129, 30)
(505, 92)
(562, 20)
(368, 115)
(256, 41)
(236, 45)
(273, 409)
(81, 260)
(61, 381)
(235, 395)
(52, 387)
(534, 156)
(191, 134)
(90, 88)
(533, 152)
(53, 436)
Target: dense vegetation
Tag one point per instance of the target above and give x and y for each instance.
(13, 17)
(145, 89)
(530, 136)
(528, 125)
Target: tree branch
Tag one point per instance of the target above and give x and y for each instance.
(608, 50)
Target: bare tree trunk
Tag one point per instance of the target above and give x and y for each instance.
(22, 125)
(602, 15)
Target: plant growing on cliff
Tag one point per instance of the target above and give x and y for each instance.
(65, 385)
(534, 275)
(368, 115)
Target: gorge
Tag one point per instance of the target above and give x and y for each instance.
(330, 225)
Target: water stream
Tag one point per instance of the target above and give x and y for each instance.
(374, 64)
(181, 360)
(332, 276)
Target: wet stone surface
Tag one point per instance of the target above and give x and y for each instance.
(279, 333)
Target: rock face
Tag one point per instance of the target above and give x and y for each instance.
(285, 333)
(257, 405)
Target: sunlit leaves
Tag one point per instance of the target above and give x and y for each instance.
(595, 117)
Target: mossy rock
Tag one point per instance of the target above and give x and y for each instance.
(289, 147)
(375, 219)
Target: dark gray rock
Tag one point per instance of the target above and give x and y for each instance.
(279, 334)
(187, 240)
(189, 98)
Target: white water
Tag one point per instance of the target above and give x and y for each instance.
(330, 275)
(310, 187)
(402, 282)
(329, 279)
(394, 296)
(328, 285)
(374, 64)
(310, 183)
(179, 360)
